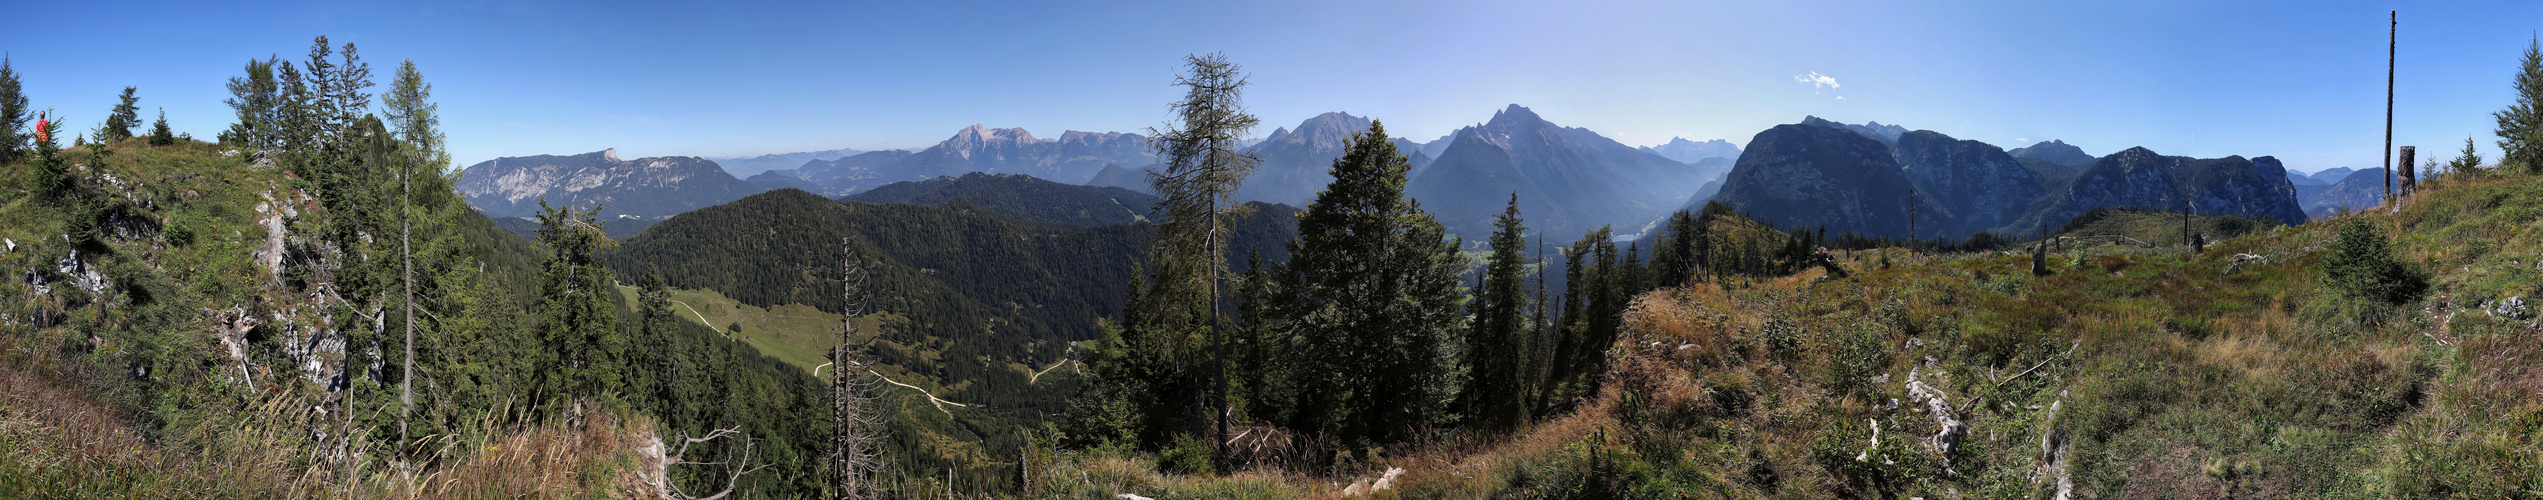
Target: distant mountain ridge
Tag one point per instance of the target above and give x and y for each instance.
(1291, 165)
(645, 187)
(1075, 157)
(1568, 180)
(1021, 196)
(748, 166)
(1689, 152)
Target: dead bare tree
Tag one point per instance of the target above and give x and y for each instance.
(736, 466)
(856, 433)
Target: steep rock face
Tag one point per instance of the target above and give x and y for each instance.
(2052, 151)
(2255, 188)
(1978, 186)
(1820, 175)
(1686, 151)
(1569, 180)
(653, 187)
(2357, 191)
(853, 173)
(2140, 178)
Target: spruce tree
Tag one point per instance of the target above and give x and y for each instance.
(120, 122)
(578, 321)
(1497, 395)
(2468, 163)
(1371, 290)
(14, 115)
(159, 133)
(2521, 125)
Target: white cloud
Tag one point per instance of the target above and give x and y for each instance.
(1840, 98)
(2021, 139)
(1817, 80)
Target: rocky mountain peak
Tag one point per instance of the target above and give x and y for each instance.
(1514, 116)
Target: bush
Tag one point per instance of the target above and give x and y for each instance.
(1189, 455)
(2363, 265)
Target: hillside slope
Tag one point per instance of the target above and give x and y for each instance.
(2231, 373)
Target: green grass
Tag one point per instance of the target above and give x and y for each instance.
(798, 334)
(2164, 375)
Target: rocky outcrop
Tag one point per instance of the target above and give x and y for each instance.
(1978, 186)
(2140, 178)
(1820, 175)
(646, 187)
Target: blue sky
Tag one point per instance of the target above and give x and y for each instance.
(2303, 81)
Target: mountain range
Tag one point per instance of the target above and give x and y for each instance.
(1292, 164)
(1848, 179)
(2354, 191)
(1568, 180)
(750, 166)
(1686, 151)
(1073, 158)
(646, 187)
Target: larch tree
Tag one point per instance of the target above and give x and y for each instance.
(1196, 186)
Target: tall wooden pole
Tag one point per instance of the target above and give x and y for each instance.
(2390, 43)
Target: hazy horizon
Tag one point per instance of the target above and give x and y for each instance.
(2303, 82)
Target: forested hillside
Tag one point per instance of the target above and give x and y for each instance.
(233, 319)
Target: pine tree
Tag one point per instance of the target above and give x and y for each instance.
(2521, 125)
(1498, 393)
(1371, 289)
(14, 115)
(159, 133)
